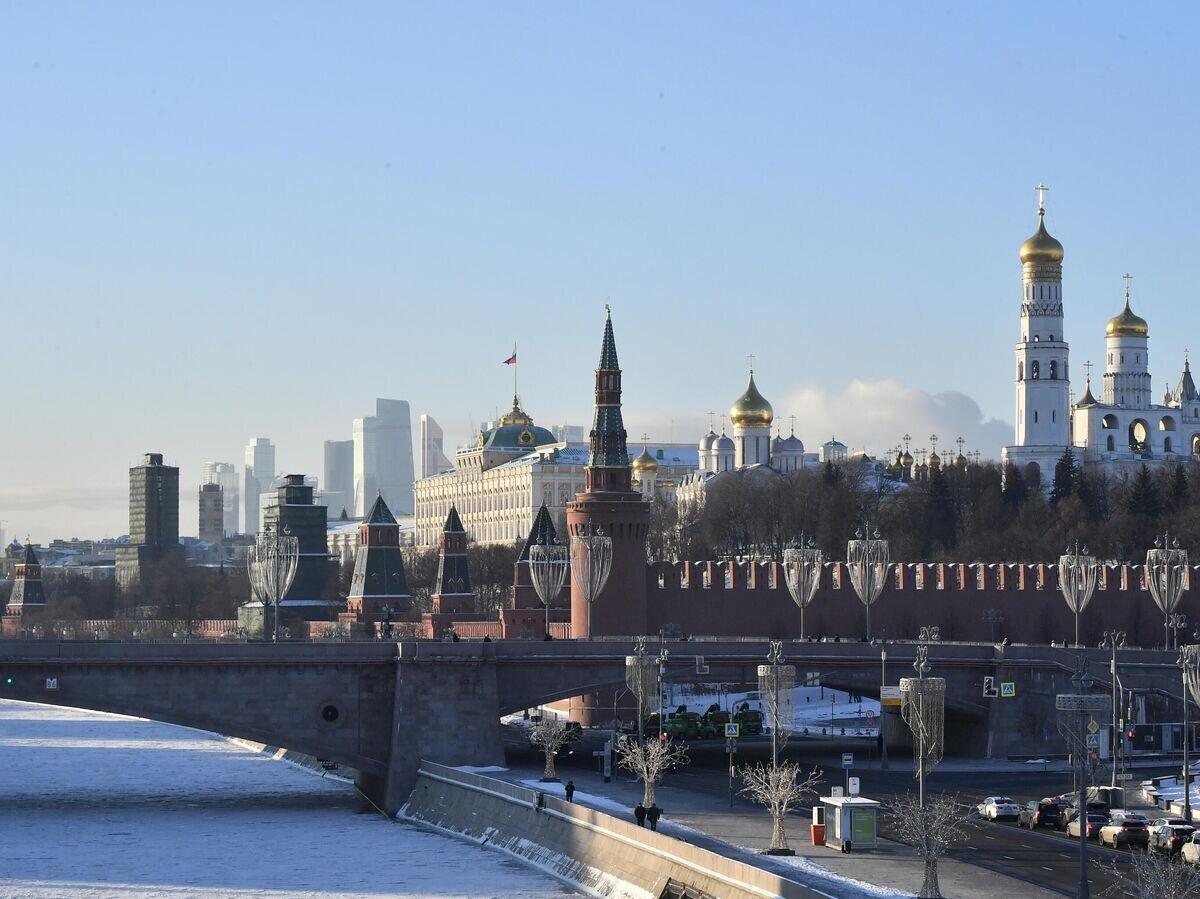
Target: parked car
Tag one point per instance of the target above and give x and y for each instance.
(1094, 823)
(1191, 849)
(1170, 838)
(1040, 813)
(1125, 832)
(995, 807)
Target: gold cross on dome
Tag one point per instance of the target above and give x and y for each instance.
(1088, 366)
(1127, 278)
(1041, 192)
(751, 359)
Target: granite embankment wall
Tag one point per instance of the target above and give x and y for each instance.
(602, 855)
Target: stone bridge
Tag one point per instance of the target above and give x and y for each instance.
(382, 707)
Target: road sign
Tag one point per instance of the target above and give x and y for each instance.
(731, 746)
(732, 730)
(847, 759)
(52, 683)
(1093, 727)
(870, 714)
(1093, 741)
(889, 695)
(1125, 775)
(1008, 689)
(989, 687)
(852, 784)
(835, 792)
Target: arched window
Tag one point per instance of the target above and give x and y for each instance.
(1037, 338)
(1166, 444)
(1051, 338)
(1020, 371)
(1111, 443)
(1053, 370)
(1035, 369)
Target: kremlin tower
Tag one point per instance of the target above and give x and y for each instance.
(610, 502)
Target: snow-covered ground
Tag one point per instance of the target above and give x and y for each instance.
(811, 707)
(105, 807)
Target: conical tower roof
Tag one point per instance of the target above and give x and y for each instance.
(542, 532)
(608, 349)
(1186, 391)
(453, 523)
(380, 513)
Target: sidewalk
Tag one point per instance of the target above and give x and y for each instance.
(892, 870)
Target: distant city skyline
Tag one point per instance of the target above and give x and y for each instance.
(840, 191)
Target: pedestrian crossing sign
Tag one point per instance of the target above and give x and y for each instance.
(1008, 689)
(731, 730)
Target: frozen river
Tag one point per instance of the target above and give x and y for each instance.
(100, 806)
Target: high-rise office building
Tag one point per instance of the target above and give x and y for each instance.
(366, 486)
(225, 474)
(153, 518)
(338, 491)
(433, 454)
(259, 473)
(383, 458)
(212, 513)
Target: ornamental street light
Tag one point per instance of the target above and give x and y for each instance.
(1114, 640)
(271, 563)
(548, 565)
(641, 677)
(1166, 575)
(1189, 665)
(776, 682)
(1076, 716)
(1077, 574)
(883, 756)
(591, 560)
(867, 560)
(802, 565)
(923, 707)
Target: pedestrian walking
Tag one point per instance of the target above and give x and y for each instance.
(640, 814)
(653, 813)
(570, 788)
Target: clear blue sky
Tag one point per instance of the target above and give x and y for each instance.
(226, 220)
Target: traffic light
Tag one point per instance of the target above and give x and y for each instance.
(8, 680)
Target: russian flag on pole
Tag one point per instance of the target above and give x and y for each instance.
(512, 360)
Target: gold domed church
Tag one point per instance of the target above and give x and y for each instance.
(1119, 432)
(751, 448)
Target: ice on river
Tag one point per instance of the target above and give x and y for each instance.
(101, 806)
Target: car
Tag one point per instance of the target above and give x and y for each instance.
(995, 807)
(1094, 823)
(1170, 838)
(1040, 813)
(1094, 807)
(1191, 849)
(1125, 832)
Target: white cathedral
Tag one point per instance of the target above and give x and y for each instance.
(1118, 433)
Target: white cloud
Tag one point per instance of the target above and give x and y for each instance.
(871, 415)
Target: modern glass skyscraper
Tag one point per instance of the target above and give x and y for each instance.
(259, 473)
(225, 474)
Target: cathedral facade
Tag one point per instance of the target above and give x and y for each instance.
(1117, 433)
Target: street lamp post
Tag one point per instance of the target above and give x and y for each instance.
(867, 560)
(775, 679)
(663, 654)
(1114, 640)
(802, 564)
(1074, 710)
(1077, 573)
(548, 565)
(1189, 665)
(641, 674)
(883, 756)
(591, 560)
(271, 563)
(924, 710)
(1166, 575)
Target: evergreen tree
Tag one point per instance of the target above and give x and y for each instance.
(1066, 477)
(1144, 501)
(1015, 489)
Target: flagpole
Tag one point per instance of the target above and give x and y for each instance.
(515, 362)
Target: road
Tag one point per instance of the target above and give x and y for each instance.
(1045, 858)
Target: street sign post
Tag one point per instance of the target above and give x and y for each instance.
(852, 786)
(730, 748)
(889, 695)
(1008, 689)
(732, 731)
(1125, 775)
(847, 760)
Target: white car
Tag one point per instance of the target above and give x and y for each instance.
(1191, 849)
(995, 807)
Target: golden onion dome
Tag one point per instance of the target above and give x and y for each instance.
(751, 410)
(1042, 248)
(934, 461)
(1127, 324)
(906, 460)
(960, 461)
(645, 462)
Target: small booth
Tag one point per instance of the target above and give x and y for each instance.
(851, 822)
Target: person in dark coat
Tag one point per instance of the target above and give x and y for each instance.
(639, 813)
(570, 788)
(653, 813)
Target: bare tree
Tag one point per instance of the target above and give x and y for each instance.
(780, 788)
(549, 735)
(1153, 876)
(650, 760)
(931, 829)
